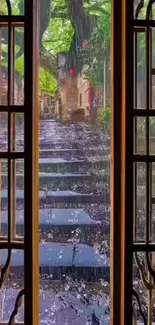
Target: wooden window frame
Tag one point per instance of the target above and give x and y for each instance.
(122, 164)
(30, 154)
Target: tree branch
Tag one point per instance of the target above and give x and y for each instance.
(48, 61)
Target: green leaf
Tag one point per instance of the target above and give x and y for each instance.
(48, 83)
(19, 65)
(58, 36)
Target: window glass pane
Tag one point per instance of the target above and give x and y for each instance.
(153, 45)
(152, 135)
(4, 8)
(140, 135)
(4, 66)
(18, 217)
(144, 167)
(3, 131)
(74, 162)
(19, 66)
(13, 285)
(4, 197)
(17, 7)
(140, 70)
(17, 132)
(139, 201)
(139, 260)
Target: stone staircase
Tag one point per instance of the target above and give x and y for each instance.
(74, 199)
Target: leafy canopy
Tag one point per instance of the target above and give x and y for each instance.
(58, 37)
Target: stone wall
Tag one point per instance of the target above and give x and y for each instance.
(47, 105)
(74, 99)
(69, 97)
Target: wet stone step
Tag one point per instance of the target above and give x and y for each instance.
(46, 178)
(56, 217)
(71, 196)
(62, 308)
(63, 166)
(68, 181)
(69, 153)
(53, 255)
(87, 186)
(51, 197)
(61, 219)
(56, 259)
(51, 145)
(43, 204)
(70, 144)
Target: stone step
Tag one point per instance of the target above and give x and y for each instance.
(51, 197)
(69, 153)
(51, 145)
(64, 144)
(71, 196)
(52, 177)
(63, 166)
(63, 219)
(60, 308)
(53, 255)
(68, 181)
(89, 206)
(56, 259)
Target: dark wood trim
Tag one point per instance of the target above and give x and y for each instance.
(12, 109)
(127, 163)
(116, 164)
(11, 155)
(31, 187)
(143, 23)
(13, 245)
(12, 19)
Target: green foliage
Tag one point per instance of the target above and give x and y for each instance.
(99, 43)
(3, 8)
(19, 65)
(105, 120)
(58, 36)
(48, 84)
(16, 7)
(59, 9)
(56, 39)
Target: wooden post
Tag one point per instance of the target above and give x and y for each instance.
(115, 269)
(127, 163)
(31, 170)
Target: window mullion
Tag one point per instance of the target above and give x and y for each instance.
(31, 214)
(116, 164)
(127, 163)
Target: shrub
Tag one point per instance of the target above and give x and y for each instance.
(105, 120)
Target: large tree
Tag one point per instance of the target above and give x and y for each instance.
(64, 25)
